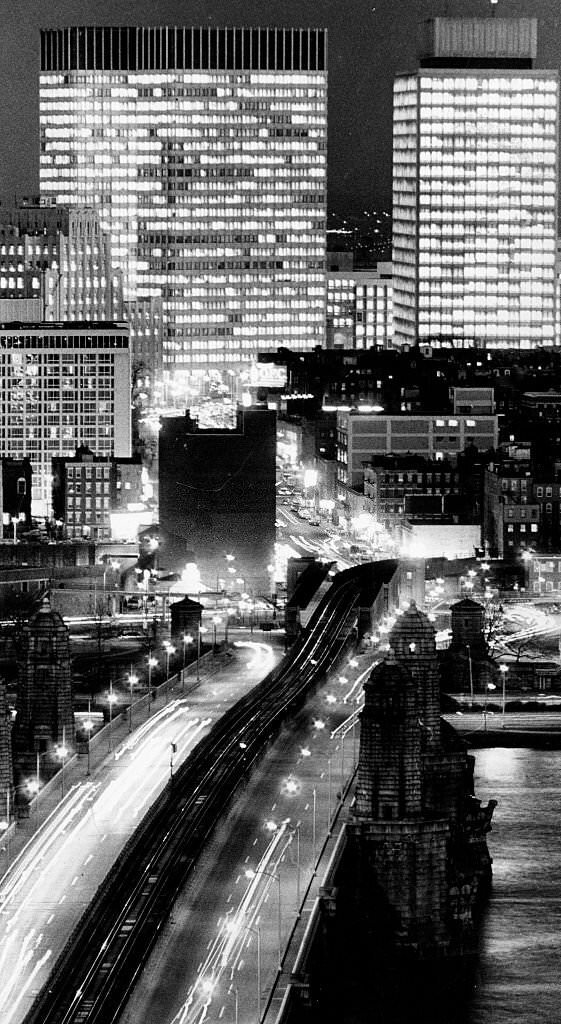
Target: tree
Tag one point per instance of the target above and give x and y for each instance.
(492, 625)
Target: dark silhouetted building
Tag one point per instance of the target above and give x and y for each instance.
(15, 499)
(217, 498)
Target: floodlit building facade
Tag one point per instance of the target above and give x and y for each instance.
(360, 308)
(475, 189)
(55, 265)
(204, 150)
(63, 385)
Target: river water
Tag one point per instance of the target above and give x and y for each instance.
(519, 972)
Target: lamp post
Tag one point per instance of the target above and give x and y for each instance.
(489, 686)
(33, 786)
(202, 629)
(88, 726)
(250, 873)
(255, 931)
(62, 751)
(111, 700)
(314, 810)
(468, 649)
(5, 825)
(133, 679)
(503, 669)
(172, 751)
(187, 640)
(216, 620)
(295, 831)
(152, 662)
(169, 649)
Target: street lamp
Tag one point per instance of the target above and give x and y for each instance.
(232, 927)
(216, 620)
(488, 688)
(152, 662)
(169, 649)
(133, 680)
(187, 640)
(503, 669)
(468, 649)
(250, 874)
(61, 750)
(5, 825)
(201, 630)
(111, 700)
(88, 726)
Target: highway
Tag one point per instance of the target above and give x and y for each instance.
(97, 974)
(54, 877)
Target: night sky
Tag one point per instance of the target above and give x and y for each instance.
(369, 41)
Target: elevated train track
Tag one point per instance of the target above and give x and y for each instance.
(94, 976)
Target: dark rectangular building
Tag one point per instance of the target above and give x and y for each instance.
(217, 499)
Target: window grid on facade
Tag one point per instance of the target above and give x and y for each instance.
(205, 153)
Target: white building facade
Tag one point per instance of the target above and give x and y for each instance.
(476, 189)
(63, 385)
(360, 308)
(204, 150)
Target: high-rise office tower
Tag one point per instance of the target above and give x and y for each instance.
(475, 189)
(204, 150)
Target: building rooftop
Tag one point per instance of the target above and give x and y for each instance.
(65, 325)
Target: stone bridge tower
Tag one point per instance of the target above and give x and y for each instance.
(44, 700)
(417, 847)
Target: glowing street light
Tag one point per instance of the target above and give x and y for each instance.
(216, 621)
(61, 750)
(503, 669)
(169, 649)
(152, 662)
(133, 680)
(88, 728)
(111, 700)
(187, 641)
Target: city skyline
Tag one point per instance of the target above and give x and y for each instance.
(365, 54)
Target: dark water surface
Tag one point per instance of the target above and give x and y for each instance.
(518, 977)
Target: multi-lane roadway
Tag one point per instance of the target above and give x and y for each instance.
(50, 882)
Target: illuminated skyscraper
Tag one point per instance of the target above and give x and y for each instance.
(475, 189)
(63, 385)
(204, 150)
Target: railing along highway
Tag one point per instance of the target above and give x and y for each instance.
(94, 976)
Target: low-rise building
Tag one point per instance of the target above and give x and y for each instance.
(511, 521)
(410, 485)
(362, 436)
(87, 488)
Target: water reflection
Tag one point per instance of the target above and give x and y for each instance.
(518, 977)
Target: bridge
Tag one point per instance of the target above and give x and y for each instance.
(95, 976)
